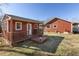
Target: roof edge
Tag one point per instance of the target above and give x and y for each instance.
(25, 19)
(56, 18)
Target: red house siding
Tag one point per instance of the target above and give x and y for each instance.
(61, 26)
(12, 35)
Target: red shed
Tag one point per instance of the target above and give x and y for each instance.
(58, 25)
(16, 29)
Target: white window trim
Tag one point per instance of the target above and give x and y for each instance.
(16, 26)
(40, 26)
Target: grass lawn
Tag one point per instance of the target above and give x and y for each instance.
(57, 44)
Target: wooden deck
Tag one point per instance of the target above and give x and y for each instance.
(39, 39)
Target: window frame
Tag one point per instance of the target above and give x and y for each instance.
(55, 26)
(48, 25)
(20, 26)
(35, 26)
(40, 26)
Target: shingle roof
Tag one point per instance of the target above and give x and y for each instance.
(22, 18)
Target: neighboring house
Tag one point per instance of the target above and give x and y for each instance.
(75, 27)
(57, 25)
(16, 29)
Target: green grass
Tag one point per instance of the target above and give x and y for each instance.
(57, 44)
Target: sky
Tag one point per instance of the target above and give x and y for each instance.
(43, 11)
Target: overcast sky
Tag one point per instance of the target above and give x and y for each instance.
(43, 11)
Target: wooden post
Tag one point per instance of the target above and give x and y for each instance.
(11, 32)
(8, 38)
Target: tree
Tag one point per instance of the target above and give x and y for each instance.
(1, 15)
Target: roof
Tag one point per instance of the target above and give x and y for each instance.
(53, 19)
(22, 18)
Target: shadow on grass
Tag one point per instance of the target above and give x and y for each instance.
(54, 42)
(50, 45)
(20, 52)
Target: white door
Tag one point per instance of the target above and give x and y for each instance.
(29, 29)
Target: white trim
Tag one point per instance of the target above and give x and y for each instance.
(40, 26)
(20, 26)
(29, 29)
(7, 26)
(8, 18)
(71, 28)
(30, 32)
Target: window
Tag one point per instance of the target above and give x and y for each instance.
(40, 26)
(48, 26)
(18, 26)
(35, 26)
(54, 26)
